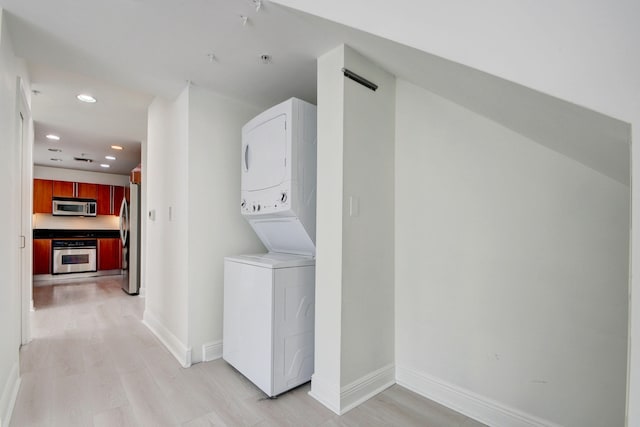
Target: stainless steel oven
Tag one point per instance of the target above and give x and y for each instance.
(74, 256)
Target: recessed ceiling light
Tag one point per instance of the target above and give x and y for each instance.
(84, 97)
(110, 157)
(53, 137)
(55, 159)
(55, 150)
(104, 165)
(117, 147)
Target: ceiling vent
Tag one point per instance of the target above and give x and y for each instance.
(83, 159)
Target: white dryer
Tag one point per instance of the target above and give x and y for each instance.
(278, 179)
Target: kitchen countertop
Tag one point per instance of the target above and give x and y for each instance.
(43, 233)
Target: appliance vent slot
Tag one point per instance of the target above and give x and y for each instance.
(359, 79)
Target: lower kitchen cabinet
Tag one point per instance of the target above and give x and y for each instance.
(41, 256)
(109, 254)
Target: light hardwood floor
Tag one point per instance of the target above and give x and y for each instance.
(93, 363)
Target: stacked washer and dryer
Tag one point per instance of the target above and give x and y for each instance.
(268, 332)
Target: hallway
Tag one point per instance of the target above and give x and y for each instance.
(92, 362)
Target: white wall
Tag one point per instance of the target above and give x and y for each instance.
(325, 383)
(579, 52)
(192, 184)
(511, 270)
(10, 188)
(216, 228)
(166, 272)
(355, 261)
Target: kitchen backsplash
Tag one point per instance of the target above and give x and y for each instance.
(100, 222)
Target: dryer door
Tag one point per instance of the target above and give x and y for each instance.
(264, 155)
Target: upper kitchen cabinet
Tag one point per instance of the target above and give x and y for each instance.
(75, 189)
(86, 191)
(118, 195)
(64, 189)
(42, 193)
(109, 199)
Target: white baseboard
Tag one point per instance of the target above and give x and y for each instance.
(9, 395)
(466, 402)
(366, 387)
(181, 352)
(326, 393)
(342, 400)
(211, 351)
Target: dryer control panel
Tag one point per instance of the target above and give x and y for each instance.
(272, 200)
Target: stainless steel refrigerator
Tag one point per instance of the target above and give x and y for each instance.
(130, 235)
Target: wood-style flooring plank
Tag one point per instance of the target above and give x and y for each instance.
(93, 362)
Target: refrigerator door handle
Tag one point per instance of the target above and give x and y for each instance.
(124, 221)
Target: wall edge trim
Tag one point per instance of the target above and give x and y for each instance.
(181, 352)
(10, 394)
(364, 388)
(326, 393)
(466, 402)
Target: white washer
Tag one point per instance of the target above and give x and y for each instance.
(269, 319)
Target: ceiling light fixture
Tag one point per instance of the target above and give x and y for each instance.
(244, 20)
(53, 137)
(86, 98)
(110, 157)
(104, 165)
(212, 57)
(257, 4)
(117, 147)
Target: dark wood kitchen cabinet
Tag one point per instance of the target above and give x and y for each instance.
(109, 254)
(42, 193)
(118, 195)
(41, 256)
(104, 199)
(75, 189)
(109, 199)
(86, 191)
(64, 189)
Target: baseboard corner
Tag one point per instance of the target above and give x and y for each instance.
(365, 388)
(181, 352)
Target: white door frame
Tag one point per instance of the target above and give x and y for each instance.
(24, 139)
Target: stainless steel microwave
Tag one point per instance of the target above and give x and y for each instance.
(74, 207)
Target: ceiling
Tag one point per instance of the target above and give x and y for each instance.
(125, 52)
